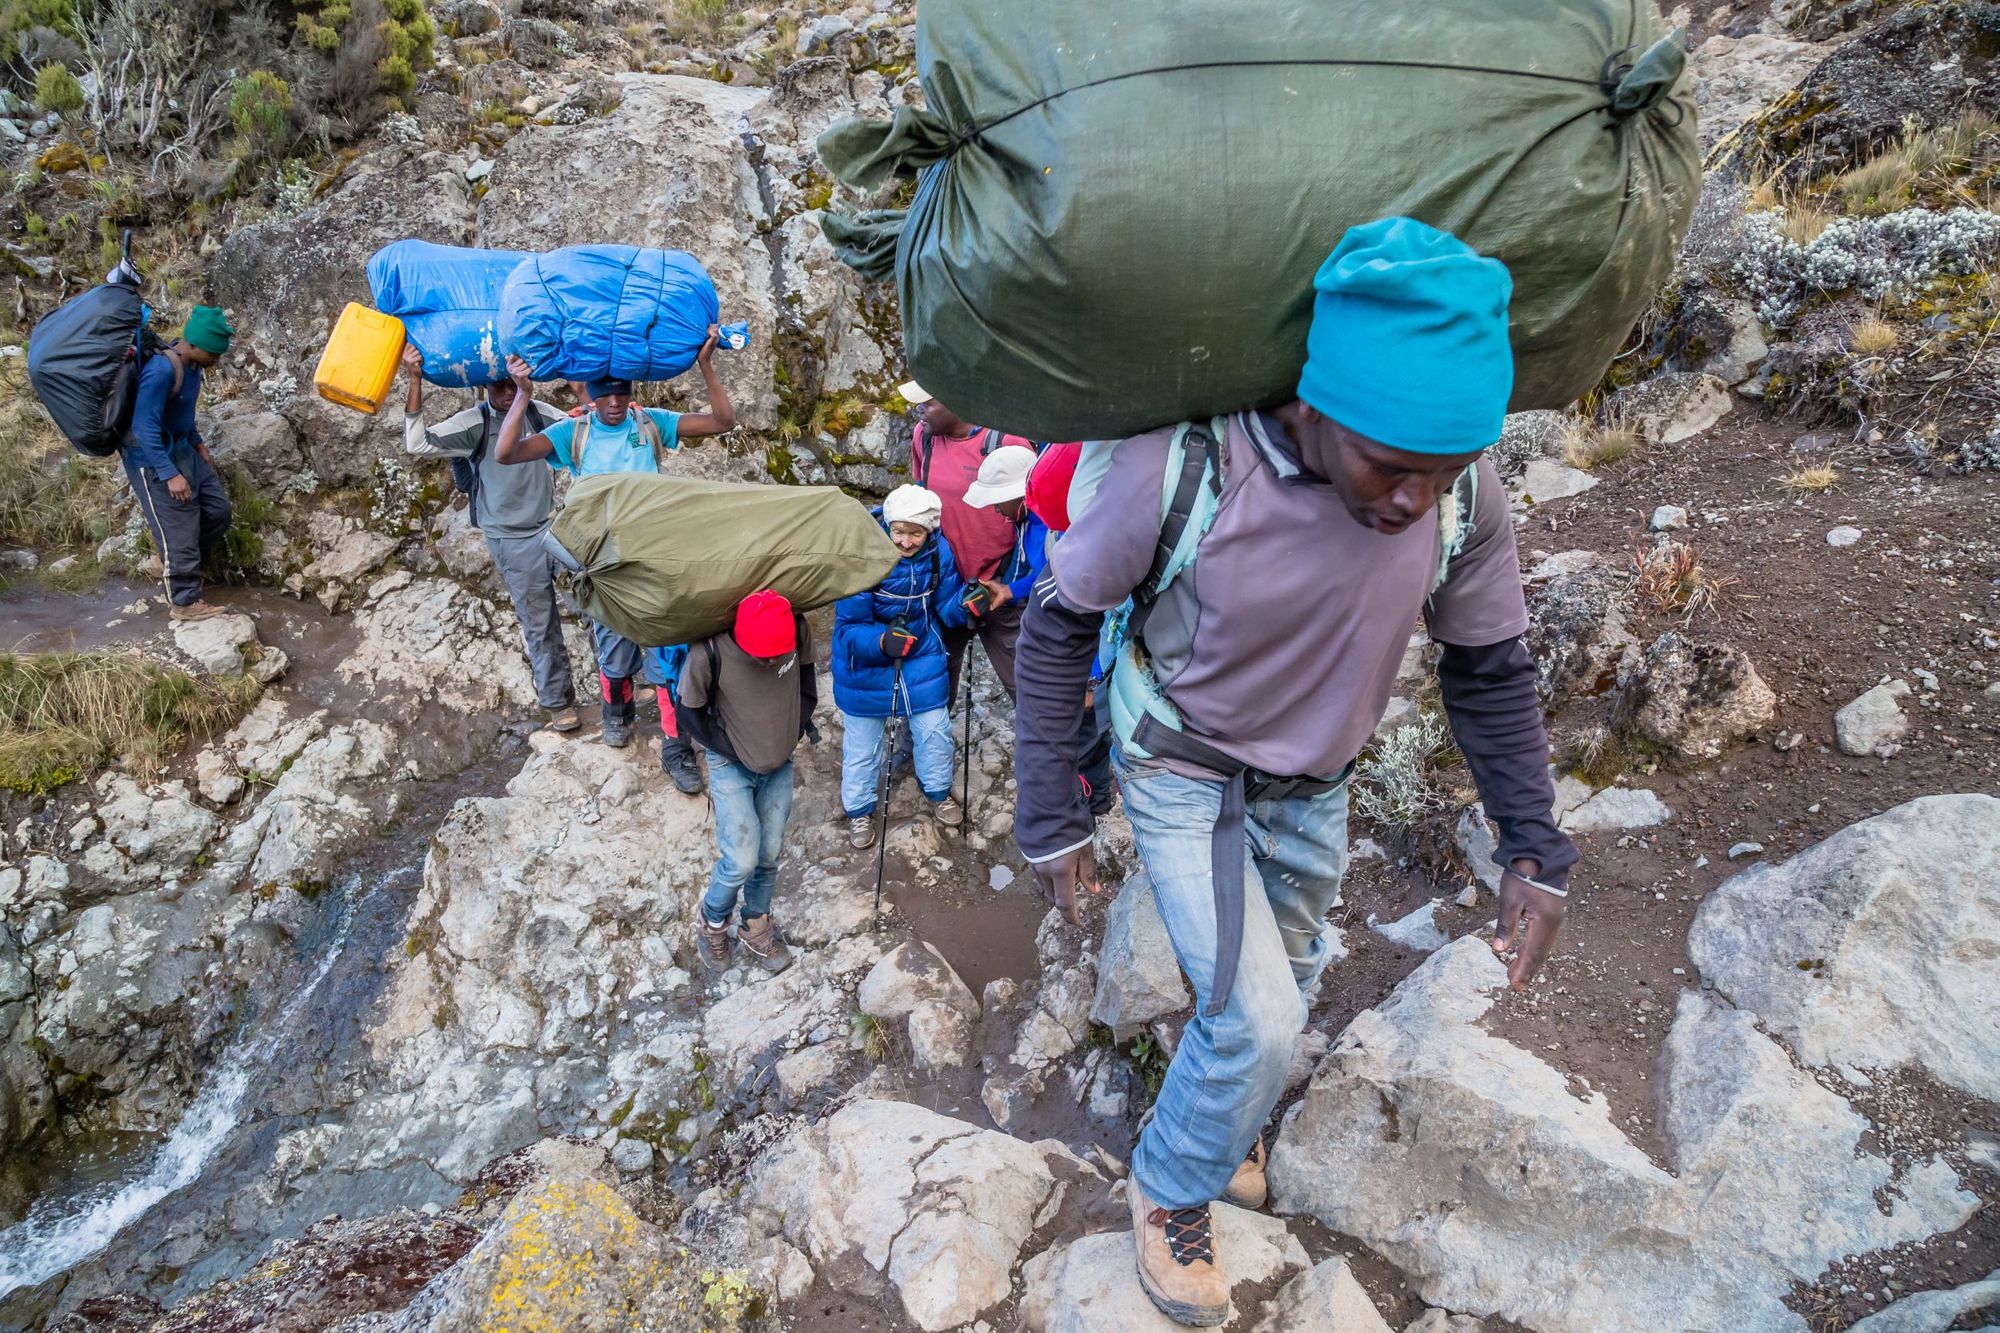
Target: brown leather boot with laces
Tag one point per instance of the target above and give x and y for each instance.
(712, 942)
(1248, 1186)
(763, 943)
(1177, 1264)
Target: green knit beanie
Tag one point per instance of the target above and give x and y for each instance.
(209, 329)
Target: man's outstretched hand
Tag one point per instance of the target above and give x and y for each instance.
(1060, 876)
(1527, 925)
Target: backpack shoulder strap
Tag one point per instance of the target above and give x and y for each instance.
(1455, 522)
(577, 438)
(180, 366)
(649, 431)
(1189, 497)
(989, 440)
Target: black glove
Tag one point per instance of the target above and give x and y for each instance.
(812, 732)
(898, 642)
(977, 601)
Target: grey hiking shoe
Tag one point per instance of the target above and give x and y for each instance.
(763, 943)
(712, 942)
(564, 719)
(861, 831)
(678, 762)
(617, 735)
(948, 812)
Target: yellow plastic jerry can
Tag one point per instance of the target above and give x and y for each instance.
(359, 363)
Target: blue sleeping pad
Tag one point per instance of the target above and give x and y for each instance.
(448, 298)
(587, 311)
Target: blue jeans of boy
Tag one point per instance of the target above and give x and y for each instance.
(750, 814)
(861, 757)
(1229, 1069)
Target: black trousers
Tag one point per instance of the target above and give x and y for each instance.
(184, 531)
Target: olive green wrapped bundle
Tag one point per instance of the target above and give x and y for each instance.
(1120, 206)
(664, 560)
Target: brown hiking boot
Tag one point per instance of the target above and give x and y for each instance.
(712, 942)
(762, 942)
(1248, 1186)
(564, 719)
(196, 610)
(1177, 1261)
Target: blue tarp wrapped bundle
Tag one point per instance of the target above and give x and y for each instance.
(591, 310)
(448, 298)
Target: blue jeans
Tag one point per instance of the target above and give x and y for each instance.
(750, 814)
(861, 757)
(1229, 1069)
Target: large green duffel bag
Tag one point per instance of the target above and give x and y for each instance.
(1121, 205)
(664, 560)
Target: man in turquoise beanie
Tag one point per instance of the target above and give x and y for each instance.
(173, 477)
(1316, 534)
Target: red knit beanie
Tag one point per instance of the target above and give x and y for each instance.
(1048, 484)
(764, 626)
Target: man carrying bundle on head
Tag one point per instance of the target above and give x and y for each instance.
(1275, 563)
(510, 506)
(614, 437)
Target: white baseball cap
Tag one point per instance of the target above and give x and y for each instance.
(1003, 475)
(912, 393)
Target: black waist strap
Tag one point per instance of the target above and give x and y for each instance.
(1240, 784)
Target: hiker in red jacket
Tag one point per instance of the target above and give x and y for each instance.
(944, 459)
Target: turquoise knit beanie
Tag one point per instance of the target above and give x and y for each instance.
(1408, 344)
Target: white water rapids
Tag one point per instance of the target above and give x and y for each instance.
(64, 1228)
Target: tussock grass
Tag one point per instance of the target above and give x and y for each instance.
(63, 716)
(1886, 183)
(1872, 337)
(1812, 479)
(50, 496)
(1589, 446)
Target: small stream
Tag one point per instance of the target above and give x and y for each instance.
(67, 1226)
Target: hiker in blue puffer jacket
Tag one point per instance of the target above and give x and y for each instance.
(889, 661)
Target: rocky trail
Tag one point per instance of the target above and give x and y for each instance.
(379, 1009)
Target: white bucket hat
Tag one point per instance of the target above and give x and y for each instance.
(1003, 476)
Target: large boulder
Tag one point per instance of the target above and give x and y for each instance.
(1874, 948)
(1921, 65)
(534, 984)
(1138, 975)
(668, 167)
(1483, 1174)
(939, 1207)
(569, 1253)
(1577, 630)
(285, 281)
(261, 445)
(1692, 696)
(1735, 78)
(433, 640)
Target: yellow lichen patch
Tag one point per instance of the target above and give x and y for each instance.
(568, 1255)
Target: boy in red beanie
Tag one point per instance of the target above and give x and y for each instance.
(746, 696)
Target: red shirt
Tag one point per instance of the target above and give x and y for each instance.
(981, 539)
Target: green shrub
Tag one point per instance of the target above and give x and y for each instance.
(260, 107)
(18, 16)
(56, 89)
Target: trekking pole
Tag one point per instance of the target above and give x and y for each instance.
(882, 784)
(965, 782)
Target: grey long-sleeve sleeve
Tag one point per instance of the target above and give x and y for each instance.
(1496, 717)
(1051, 675)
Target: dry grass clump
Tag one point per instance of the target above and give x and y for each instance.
(1669, 574)
(1588, 445)
(50, 495)
(1872, 337)
(1812, 479)
(65, 715)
